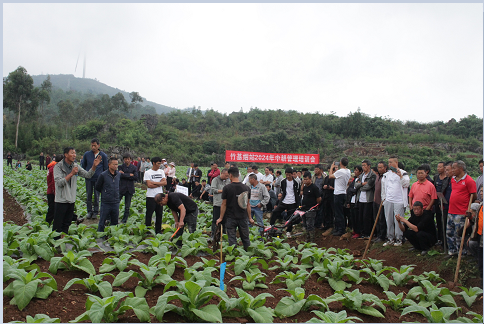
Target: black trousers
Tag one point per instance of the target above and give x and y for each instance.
(169, 182)
(190, 220)
(215, 216)
(9, 162)
(328, 212)
(63, 216)
(354, 218)
(365, 218)
(381, 226)
(151, 207)
(309, 219)
(420, 240)
(441, 227)
(42, 166)
(243, 226)
(51, 210)
(276, 213)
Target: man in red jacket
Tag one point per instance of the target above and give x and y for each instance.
(215, 172)
(51, 190)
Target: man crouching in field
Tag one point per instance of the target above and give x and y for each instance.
(184, 210)
(66, 186)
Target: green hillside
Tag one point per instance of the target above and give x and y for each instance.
(74, 117)
(68, 82)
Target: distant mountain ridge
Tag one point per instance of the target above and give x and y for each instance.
(70, 82)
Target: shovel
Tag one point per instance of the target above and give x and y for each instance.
(223, 265)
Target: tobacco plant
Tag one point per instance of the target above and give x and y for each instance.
(28, 285)
(252, 280)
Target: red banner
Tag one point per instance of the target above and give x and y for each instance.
(259, 157)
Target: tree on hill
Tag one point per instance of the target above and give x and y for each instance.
(18, 90)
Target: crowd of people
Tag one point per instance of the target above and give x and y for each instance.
(334, 199)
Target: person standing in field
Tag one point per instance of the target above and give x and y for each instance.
(9, 159)
(236, 215)
(66, 186)
(267, 178)
(317, 180)
(170, 172)
(479, 182)
(155, 180)
(440, 182)
(41, 161)
(394, 188)
(381, 227)
(108, 185)
(364, 198)
(213, 173)
(277, 182)
(49, 218)
(463, 192)
(87, 162)
(190, 173)
(342, 176)
(129, 175)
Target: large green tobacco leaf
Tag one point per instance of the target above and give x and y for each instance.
(261, 314)
(24, 293)
(209, 313)
(140, 308)
(86, 266)
(288, 307)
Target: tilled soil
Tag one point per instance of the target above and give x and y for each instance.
(67, 305)
(12, 210)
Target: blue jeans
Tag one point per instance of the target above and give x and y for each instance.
(127, 205)
(339, 216)
(258, 217)
(108, 212)
(89, 190)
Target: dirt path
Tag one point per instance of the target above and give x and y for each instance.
(12, 210)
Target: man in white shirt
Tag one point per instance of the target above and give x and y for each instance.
(267, 178)
(290, 199)
(155, 180)
(249, 172)
(342, 176)
(190, 173)
(394, 191)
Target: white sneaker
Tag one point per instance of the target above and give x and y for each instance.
(288, 235)
(398, 243)
(390, 242)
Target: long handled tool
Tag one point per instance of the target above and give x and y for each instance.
(373, 230)
(223, 265)
(171, 238)
(456, 276)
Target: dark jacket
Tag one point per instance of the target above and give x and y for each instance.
(296, 187)
(108, 186)
(328, 194)
(445, 182)
(368, 189)
(88, 160)
(351, 191)
(41, 159)
(127, 182)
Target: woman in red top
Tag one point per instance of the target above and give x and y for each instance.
(49, 218)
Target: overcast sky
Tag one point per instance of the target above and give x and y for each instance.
(419, 62)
